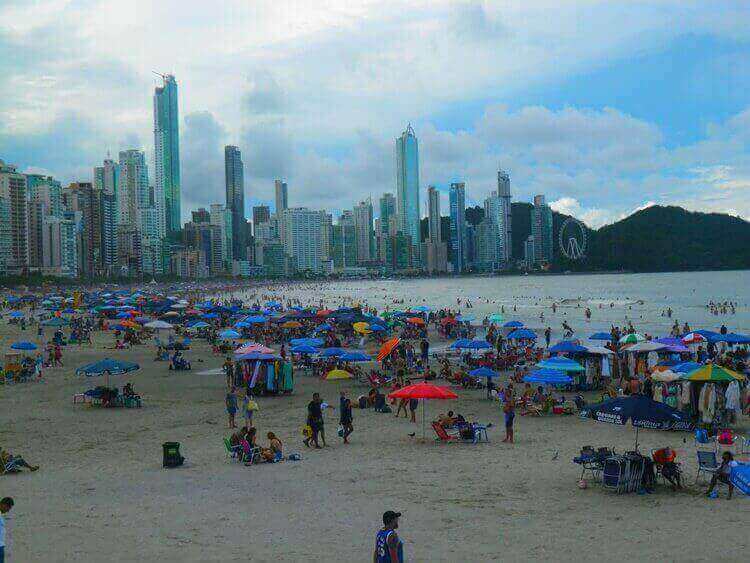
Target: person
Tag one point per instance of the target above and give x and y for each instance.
(722, 474)
(388, 546)
(274, 451)
(228, 368)
(231, 403)
(413, 404)
(424, 346)
(236, 438)
(510, 414)
(5, 506)
(249, 406)
(314, 420)
(9, 462)
(346, 418)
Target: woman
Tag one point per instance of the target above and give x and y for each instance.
(249, 407)
(346, 419)
(274, 451)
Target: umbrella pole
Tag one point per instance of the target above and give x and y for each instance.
(423, 406)
(636, 438)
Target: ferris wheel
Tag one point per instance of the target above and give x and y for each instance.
(573, 239)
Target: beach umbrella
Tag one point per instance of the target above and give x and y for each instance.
(522, 334)
(387, 348)
(323, 313)
(335, 374)
(645, 346)
(420, 309)
(734, 338)
(307, 342)
(23, 345)
(361, 327)
(16, 315)
(467, 344)
(600, 350)
(332, 352)
(324, 326)
(547, 376)
(513, 324)
(253, 348)
(423, 391)
(417, 321)
(465, 318)
(107, 367)
(495, 318)
(561, 363)
(693, 338)
(641, 411)
(303, 349)
(445, 321)
(129, 324)
(483, 372)
(292, 324)
(665, 376)
(713, 373)
(229, 334)
(256, 319)
(171, 314)
(199, 324)
(159, 325)
(601, 336)
(567, 347)
(355, 357)
(377, 328)
(632, 338)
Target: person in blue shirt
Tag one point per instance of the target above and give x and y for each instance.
(388, 546)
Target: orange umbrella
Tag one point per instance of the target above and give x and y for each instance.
(129, 324)
(387, 348)
(323, 313)
(415, 321)
(291, 324)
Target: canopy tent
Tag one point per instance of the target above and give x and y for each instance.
(641, 411)
(423, 391)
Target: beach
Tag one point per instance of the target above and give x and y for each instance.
(102, 494)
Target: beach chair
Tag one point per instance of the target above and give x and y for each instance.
(232, 451)
(707, 463)
(614, 471)
(442, 434)
(250, 456)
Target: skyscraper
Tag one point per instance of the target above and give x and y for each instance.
(387, 210)
(434, 233)
(106, 182)
(407, 187)
(363, 218)
(85, 198)
(234, 176)
(505, 227)
(167, 154)
(282, 204)
(14, 232)
(261, 214)
(541, 230)
(303, 237)
(458, 225)
(435, 251)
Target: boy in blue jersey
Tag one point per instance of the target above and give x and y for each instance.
(388, 546)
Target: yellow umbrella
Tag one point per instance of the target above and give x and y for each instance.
(337, 374)
(362, 328)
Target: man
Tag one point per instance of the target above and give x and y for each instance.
(5, 505)
(425, 349)
(345, 417)
(10, 463)
(722, 474)
(547, 335)
(314, 420)
(388, 546)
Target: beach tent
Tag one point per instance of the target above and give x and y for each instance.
(567, 347)
(335, 374)
(423, 391)
(641, 411)
(713, 373)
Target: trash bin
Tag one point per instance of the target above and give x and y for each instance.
(172, 457)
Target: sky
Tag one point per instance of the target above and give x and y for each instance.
(604, 107)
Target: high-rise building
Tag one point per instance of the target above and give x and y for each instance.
(528, 251)
(457, 199)
(387, 210)
(59, 244)
(234, 175)
(363, 219)
(302, 238)
(167, 155)
(327, 236)
(282, 204)
(434, 232)
(86, 199)
(201, 215)
(106, 182)
(222, 218)
(44, 195)
(209, 240)
(435, 251)
(506, 212)
(541, 230)
(343, 245)
(14, 233)
(407, 187)
(261, 214)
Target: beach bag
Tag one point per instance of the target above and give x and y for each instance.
(701, 436)
(252, 405)
(725, 438)
(307, 431)
(340, 431)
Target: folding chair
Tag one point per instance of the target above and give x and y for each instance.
(707, 463)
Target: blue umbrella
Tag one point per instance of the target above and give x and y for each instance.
(546, 376)
(567, 347)
(641, 411)
(355, 357)
(199, 324)
(332, 352)
(561, 363)
(307, 342)
(522, 334)
(601, 336)
(304, 349)
(122, 315)
(107, 366)
(258, 319)
(421, 309)
(325, 326)
(210, 316)
(377, 328)
(513, 324)
(464, 318)
(23, 345)
(229, 333)
(468, 344)
(734, 338)
(16, 315)
(483, 372)
(685, 367)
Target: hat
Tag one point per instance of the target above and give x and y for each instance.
(389, 516)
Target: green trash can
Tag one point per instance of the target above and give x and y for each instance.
(172, 457)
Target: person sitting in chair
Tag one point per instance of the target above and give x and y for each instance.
(722, 474)
(10, 463)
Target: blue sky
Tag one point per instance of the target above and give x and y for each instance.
(603, 106)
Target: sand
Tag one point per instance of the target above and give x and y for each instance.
(102, 495)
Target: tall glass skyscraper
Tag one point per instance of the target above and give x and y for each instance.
(457, 199)
(234, 175)
(167, 153)
(541, 230)
(407, 187)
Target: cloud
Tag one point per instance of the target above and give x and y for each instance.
(202, 158)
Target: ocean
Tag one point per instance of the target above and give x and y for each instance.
(612, 298)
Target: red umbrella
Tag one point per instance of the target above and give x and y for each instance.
(323, 313)
(415, 321)
(423, 391)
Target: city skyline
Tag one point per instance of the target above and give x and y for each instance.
(565, 115)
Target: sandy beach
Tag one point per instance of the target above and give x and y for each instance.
(102, 494)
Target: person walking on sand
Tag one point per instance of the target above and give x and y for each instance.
(249, 407)
(413, 404)
(5, 506)
(509, 410)
(314, 420)
(231, 403)
(388, 546)
(345, 417)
